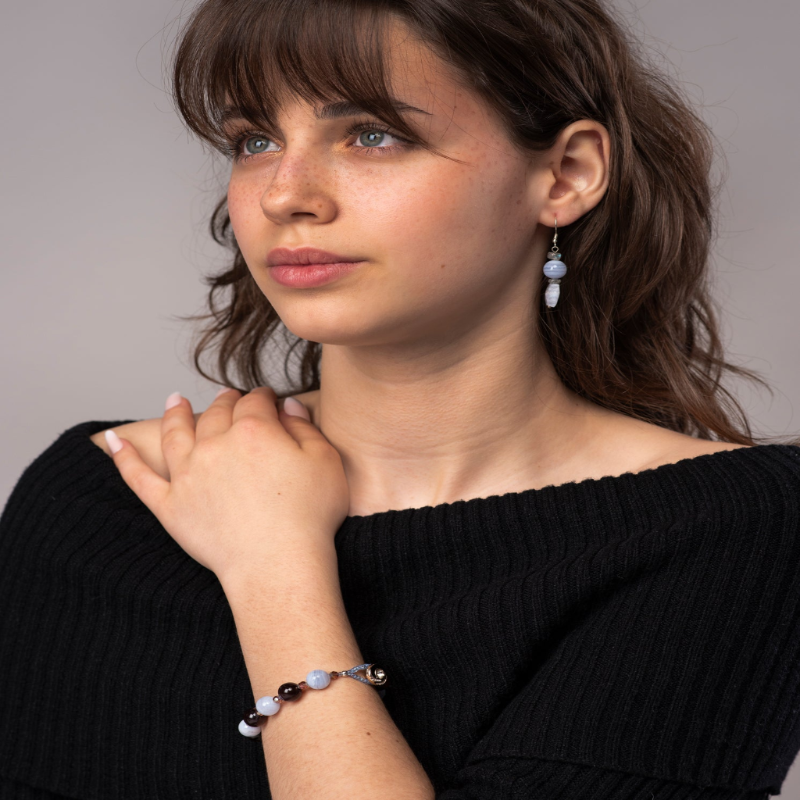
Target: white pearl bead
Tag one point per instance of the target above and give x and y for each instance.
(551, 294)
(248, 730)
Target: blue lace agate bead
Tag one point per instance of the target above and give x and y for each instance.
(555, 269)
(249, 730)
(268, 705)
(551, 295)
(318, 679)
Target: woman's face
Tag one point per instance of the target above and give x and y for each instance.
(446, 246)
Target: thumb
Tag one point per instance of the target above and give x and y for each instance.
(145, 483)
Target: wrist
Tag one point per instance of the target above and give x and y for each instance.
(305, 571)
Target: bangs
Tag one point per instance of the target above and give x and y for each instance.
(245, 58)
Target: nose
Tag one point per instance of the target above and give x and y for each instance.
(300, 189)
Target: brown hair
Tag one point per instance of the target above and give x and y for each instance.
(635, 329)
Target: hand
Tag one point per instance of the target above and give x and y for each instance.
(251, 488)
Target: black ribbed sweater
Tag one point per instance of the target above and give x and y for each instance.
(636, 636)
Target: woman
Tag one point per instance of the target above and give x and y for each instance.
(519, 505)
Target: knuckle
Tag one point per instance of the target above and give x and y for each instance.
(136, 481)
(171, 438)
(249, 426)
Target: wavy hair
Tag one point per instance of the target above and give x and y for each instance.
(636, 329)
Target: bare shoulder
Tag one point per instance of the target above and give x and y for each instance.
(145, 436)
(657, 446)
(690, 447)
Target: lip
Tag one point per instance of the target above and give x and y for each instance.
(307, 276)
(306, 256)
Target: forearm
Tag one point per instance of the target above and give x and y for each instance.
(333, 743)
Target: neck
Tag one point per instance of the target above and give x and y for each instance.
(455, 422)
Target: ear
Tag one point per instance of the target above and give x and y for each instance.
(573, 175)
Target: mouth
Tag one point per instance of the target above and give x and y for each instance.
(308, 276)
(307, 256)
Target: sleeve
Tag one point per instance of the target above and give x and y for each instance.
(681, 679)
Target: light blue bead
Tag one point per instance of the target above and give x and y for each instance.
(267, 706)
(249, 730)
(555, 269)
(318, 679)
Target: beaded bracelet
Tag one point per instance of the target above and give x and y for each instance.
(316, 679)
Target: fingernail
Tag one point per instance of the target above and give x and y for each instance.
(173, 400)
(114, 444)
(222, 391)
(295, 408)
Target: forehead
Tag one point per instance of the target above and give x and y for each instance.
(411, 70)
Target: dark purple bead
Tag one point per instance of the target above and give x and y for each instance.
(253, 718)
(289, 691)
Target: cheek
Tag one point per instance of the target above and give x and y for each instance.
(457, 216)
(247, 218)
(435, 208)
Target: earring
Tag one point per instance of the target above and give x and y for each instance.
(554, 269)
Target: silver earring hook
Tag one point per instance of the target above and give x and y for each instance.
(554, 249)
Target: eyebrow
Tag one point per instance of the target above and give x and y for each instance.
(342, 108)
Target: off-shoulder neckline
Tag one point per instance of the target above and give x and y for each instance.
(82, 431)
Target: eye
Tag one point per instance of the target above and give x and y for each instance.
(253, 145)
(249, 144)
(373, 135)
(245, 145)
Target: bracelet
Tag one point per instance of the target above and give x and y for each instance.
(316, 679)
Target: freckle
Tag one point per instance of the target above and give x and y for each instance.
(442, 267)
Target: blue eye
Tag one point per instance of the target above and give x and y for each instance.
(252, 143)
(260, 144)
(376, 135)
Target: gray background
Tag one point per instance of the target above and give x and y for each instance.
(105, 199)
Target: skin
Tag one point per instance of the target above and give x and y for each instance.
(435, 384)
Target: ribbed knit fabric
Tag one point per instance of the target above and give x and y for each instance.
(635, 637)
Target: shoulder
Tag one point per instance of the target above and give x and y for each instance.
(70, 504)
(758, 466)
(637, 446)
(734, 478)
(749, 495)
(69, 485)
(677, 447)
(145, 436)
